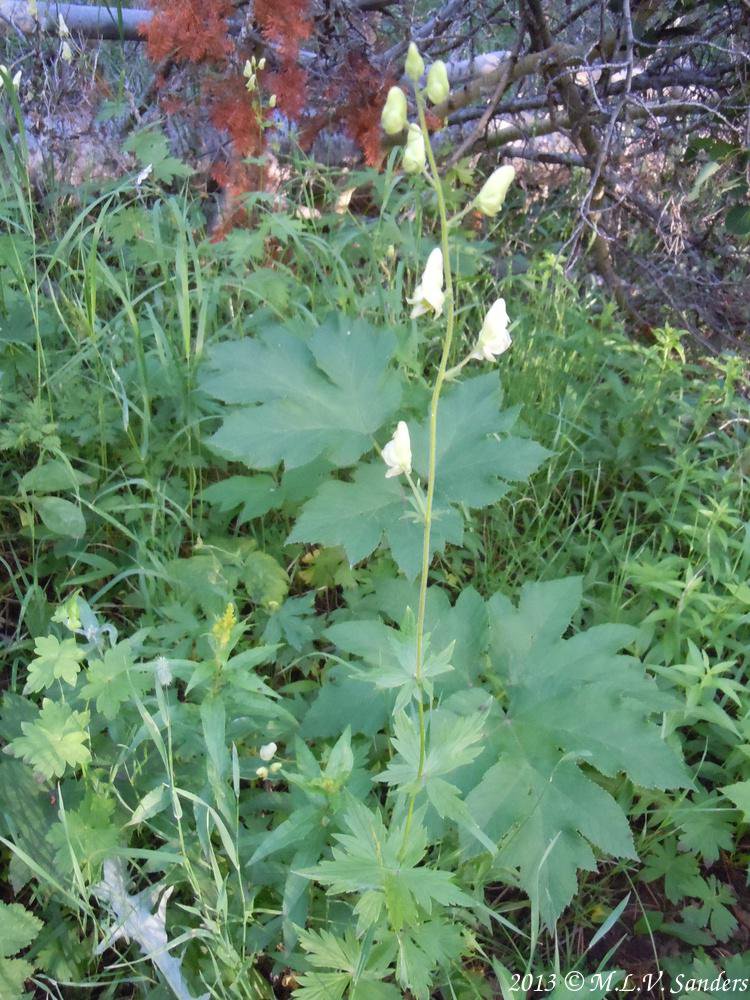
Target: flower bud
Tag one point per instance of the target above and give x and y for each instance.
(414, 65)
(262, 772)
(276, 767)
(490, 199)
(414, 155)
(393, 118)
(438, 87)
(267, 751)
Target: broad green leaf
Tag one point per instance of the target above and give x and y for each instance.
(739, 793)
(54, 741)
(18, 928)
(112, 680)
(256, 495)
(54, 660)
(13, 974)
(476, 454)
(53, 477)
(326, 395)
(358, 515)
(265, 580)
(61, 516)
(89, 834)
(476, 457)
(569, 701)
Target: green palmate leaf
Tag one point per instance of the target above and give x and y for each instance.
(111, 681)
(390, 656)
(18, 928)
(376, 863)
(300, 398)
(476, 456)
(357, 515)
(739, 793)
(476, 453)
(87, 834)
(358, 965)
(54, 660)
(13, 974)
(54, 741)
(569, 701)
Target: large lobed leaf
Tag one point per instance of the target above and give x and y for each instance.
(574, 704)
(476, 457)
(298, 399)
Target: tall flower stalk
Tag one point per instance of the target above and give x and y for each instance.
(437, 296)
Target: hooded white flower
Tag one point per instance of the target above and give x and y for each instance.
(429, 292)
(494, 338)
(267, 751)
(490, 199)
(397, 453)
(415, 154)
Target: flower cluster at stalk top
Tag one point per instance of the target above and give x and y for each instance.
(429, 295)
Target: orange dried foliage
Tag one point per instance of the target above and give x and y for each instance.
(232, 109)
(361, 92)
(193, 31)
(289, 85)
(286, 22)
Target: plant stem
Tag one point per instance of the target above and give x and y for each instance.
(434, 402)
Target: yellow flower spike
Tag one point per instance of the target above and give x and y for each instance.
(222, 627)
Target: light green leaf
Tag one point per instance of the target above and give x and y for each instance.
(53, 477)
(265, 580)
(326, 395)
(739, 793)
(569, 700)
(55, 741)
(13, 974)
(112, 680)
(18, 928)
(54, 660)
(358, 515)
(476, 454)
(61, 516)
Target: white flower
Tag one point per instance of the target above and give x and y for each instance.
(267, 751)
(494, 338)
(429, 292)
(415, 154)
(397, 453)
(262, 772)
(490, 199)
(163, 671)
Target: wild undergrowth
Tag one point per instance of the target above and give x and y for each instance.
(276, 723)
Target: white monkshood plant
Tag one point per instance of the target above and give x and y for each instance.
(405, 743)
